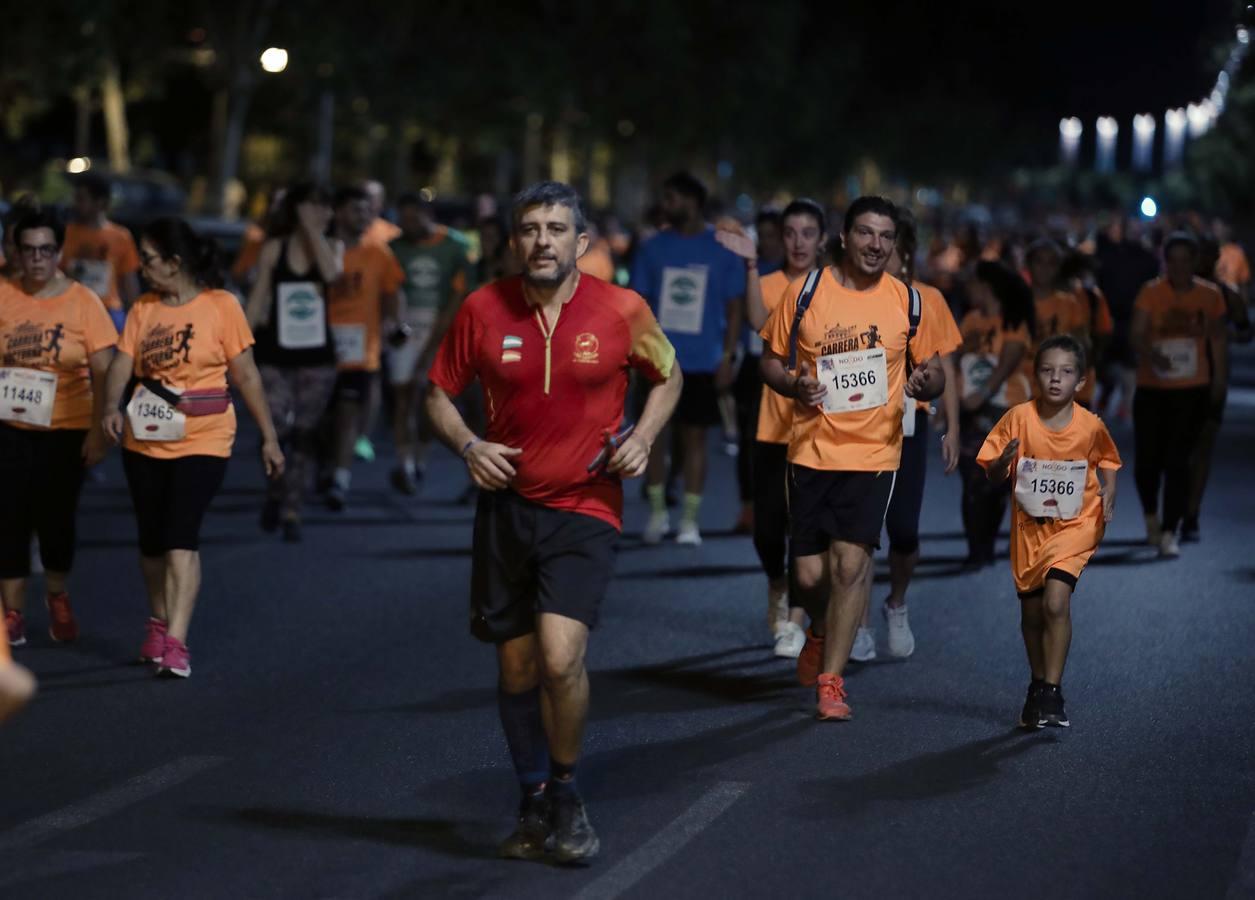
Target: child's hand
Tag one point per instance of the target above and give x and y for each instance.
(1108, 504)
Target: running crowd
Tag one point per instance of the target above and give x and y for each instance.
(813, 342)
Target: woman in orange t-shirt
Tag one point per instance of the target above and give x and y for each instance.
(56, 341)
(178, 430)
(997, 335)
(1062, 464)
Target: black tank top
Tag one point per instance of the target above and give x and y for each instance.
(267, 349)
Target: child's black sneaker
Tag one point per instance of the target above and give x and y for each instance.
(1051, 707)
(1030, 716)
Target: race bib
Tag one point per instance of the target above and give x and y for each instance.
(1182, 355)
(856, 380)
(153, 419)
(302, 313)
(96, 275)
(682, 302)
(27, 396)
(350, 343)
(908, 416)
(976, 369)
(1050, 488)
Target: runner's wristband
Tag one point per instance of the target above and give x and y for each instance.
(469, 444)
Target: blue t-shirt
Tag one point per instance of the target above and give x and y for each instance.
(688, 281)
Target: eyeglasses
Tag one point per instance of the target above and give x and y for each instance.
(39, 251)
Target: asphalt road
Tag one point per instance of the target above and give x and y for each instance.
(338, 737)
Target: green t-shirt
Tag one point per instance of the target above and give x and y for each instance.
(435, 270)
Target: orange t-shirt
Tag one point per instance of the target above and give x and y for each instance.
(985, 336)
(597, 262)
(356, 308)
(775, 412)
(99, 257)
(381, 231)
(936, 312)
(187, 347)
(59, 335)
(1233, 268)
(1183, 320)
(844, 321)
(1038, 545)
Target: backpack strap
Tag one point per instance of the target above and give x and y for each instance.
(803, 303)
(914, 312)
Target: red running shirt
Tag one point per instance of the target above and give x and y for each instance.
(552, 396)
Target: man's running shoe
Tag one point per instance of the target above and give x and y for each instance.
(830, 699)
(15, 625)
(790, 639)
(901, 638)
(572, 838)
(528, 839)
(864, 649)
(154, 641)
(1030, 715)
(688, 535)
(364, 449)
(175, 660)
(656, 528)
(810, 660)
(1169, 548)
(1051, 707)
(61, 624)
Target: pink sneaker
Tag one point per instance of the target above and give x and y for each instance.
(154, 641)
(16, 626)
(175, 660)
(62, 626)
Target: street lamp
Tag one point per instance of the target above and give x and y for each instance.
(1107, 130)
(1070, 139)
(274, 60)
(1143, 141)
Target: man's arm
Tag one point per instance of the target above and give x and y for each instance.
(489, 463)
(735, 313)
(802, 387)
(927, 381)
(632, 456)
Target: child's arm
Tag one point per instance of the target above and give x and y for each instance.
(1000, 468)
(1108, 493)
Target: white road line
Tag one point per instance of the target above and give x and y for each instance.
(106, 803)
(1243, 886)
(665, 844)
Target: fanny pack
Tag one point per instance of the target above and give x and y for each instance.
(199, 402)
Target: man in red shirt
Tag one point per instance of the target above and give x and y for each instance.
(552, 351)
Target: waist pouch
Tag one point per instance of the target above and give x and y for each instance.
(195, 403)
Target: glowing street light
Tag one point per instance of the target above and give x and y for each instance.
(1070, 131)
(1107, 130)
(274, 60)
(1174, 121)
(1143, 142)
(1200, 116)
(78, 165)
(1149, 207)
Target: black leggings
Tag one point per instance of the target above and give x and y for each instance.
(41, 475)
(1166, 427)
(171, 497)
(902, 519)
(984, 503)
(771, 507)
(748, 392)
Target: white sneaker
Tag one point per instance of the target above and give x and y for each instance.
(864, 649)
(901, 640)
(1169, 548)
(790, 639)
(689, 535)
(657, 528)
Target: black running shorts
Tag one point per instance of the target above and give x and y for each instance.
(527, 559)
(836, 506)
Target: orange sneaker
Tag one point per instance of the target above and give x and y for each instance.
(810, 660)
(830, 699)
(62, 627)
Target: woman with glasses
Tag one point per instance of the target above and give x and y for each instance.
(56, 343)
(176, 352)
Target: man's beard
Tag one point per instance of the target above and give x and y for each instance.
(560, 275)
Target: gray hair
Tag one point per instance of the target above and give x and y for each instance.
(548, 193)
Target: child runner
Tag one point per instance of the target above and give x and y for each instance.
(1056, 453)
